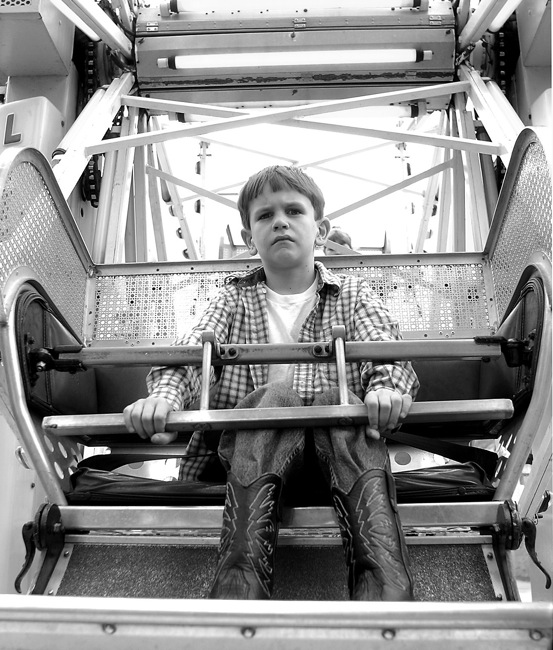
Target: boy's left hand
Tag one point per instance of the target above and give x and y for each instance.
(386, 408)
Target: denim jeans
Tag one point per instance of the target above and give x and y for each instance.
(344, 453)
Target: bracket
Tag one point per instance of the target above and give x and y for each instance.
(516, 352)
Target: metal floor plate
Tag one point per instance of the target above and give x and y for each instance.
(442, 573)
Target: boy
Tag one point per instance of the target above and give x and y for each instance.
(293, 298)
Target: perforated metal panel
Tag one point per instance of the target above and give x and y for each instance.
(33, 234)
(6, 4)
(65, 456)
(526, 226)
(444, 300)
(144, 307)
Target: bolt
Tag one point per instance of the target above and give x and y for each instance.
(536, 635)
(248, 632)
(389, 634)
(490, 556)
(109, 628)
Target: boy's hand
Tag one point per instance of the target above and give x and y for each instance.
(147, 418)
(385, 408)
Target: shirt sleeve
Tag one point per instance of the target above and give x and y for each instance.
(373, 322)
(181, 385)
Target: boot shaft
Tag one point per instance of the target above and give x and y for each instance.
(374, 546)
(248, 539)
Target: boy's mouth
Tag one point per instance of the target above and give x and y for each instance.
(282, 238)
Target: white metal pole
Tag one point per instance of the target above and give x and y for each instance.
(458, 188)
(475, 185)
(155, 207)
(140, 196)
(88, 127)
(431, 189)
(104, 208)
(175, 198)
(478, 24)
(115, 244)
(100, 23)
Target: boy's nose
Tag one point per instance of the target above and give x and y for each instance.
(280, 221)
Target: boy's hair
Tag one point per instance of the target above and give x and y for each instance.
(279, 177)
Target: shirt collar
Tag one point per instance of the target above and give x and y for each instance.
(257, 275)
(327, 277)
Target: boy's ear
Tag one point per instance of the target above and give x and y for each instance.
(247, 237)
(323, 230)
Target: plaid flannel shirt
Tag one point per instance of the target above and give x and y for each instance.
(238, 314)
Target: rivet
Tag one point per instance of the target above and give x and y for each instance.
(490, 556)
(536, 635)
(248, 632)
(389, 634)
(108, 628)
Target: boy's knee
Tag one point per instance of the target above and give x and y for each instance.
(272, 395)
(331, 397)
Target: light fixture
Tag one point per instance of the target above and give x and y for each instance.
(169, 7)
(293, 59)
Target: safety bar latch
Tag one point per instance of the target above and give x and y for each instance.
(515, 351)
(44, 533)
(45, 359)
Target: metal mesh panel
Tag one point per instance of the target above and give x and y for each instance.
(32, 233)
(526, 227)
(15, 3)
(440, 300)
(134, 308)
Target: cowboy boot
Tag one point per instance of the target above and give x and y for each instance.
(248, 538)
(373, 540)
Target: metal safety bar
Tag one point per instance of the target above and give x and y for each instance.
(344, 414)
(246, 353)
(479, 514)
(306, 416)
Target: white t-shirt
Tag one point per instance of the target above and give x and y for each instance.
(286, 314)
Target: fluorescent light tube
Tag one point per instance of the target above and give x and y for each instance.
(198, 7)
(291, 58)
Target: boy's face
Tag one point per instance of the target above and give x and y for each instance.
(283, 228)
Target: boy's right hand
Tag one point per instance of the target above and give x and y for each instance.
(147, 417)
